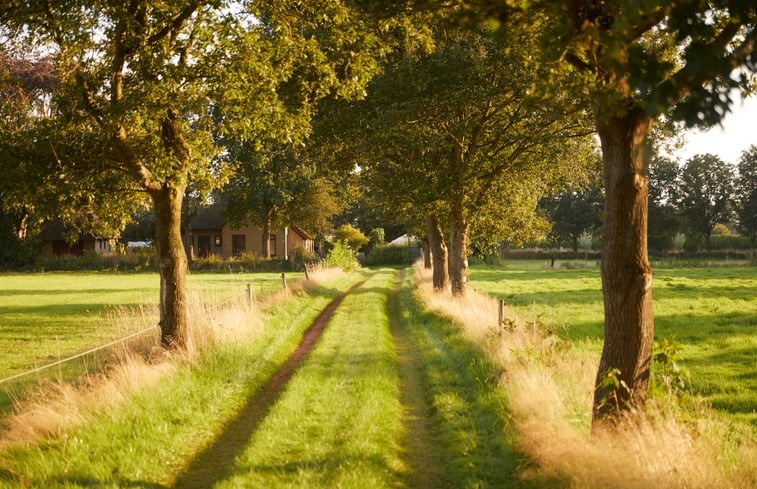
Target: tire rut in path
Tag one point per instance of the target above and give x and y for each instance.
(420, 446)
(214, 463)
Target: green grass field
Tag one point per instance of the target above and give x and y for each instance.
(46, 316)
(711, 311)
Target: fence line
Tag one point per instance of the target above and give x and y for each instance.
(78, 355)
(208, 309)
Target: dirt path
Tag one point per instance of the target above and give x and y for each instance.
(215, 461)
(420, 445)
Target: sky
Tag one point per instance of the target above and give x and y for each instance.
(737, 132)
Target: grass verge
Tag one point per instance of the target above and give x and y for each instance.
(711, 312)
(49, 316)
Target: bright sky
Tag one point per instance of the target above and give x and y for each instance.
(737, 133)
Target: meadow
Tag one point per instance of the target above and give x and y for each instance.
(710, 312)
(48, 316)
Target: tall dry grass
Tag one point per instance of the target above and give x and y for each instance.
(140, 363)
(549, 384)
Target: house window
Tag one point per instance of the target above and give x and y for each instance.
(218, 241)
(238, 244)
(273, 245)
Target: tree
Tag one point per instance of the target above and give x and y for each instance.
(143, 86)
(664, 222)
(455, 135)
(268, 186)
(704, 193)
(746, 193)
(641, 60)
(573, 213)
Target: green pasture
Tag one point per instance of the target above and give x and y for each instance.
(711, 311)
(47, 316)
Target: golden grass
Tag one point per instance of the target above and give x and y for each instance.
(140, 363)
(550, 383)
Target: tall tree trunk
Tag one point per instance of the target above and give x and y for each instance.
(438, 251)
(427, 256)
(575, 243)
(172, 262)
(626, 274)
(267, 218)
(458, 252)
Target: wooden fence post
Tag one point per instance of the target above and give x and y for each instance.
(283, 281)
(501, 313)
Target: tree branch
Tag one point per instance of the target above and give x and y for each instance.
(176, 24)
(681, 83)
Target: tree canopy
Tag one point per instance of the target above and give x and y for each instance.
(461, 131)
(145, 88)
(704, 193)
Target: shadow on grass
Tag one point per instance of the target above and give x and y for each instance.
(469, 408)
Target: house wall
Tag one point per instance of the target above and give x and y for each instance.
(297, 240)
(58, 247)
(253, 241)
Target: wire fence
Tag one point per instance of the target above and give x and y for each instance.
(236, 298)
(78, 355)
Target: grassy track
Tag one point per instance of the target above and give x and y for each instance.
(712, 312)
(46, 316)
(338, 422)
(151, 437)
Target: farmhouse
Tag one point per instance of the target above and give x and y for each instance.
(209, 234)
(54, 242)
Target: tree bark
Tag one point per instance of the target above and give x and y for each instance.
(427, 256)
(172, 262)
(438, 251)
(458, 253)
(626, 274)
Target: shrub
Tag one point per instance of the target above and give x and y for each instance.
(391, 255)
(377, 238)
(353, 237)
(299, 257)
(342, 256)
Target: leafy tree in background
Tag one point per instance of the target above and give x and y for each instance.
(354, 238)
(705, 191)
(664, 221)
(143, 86)
(268, 186)
(746, 193)
(25, 86)
(574, 212)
